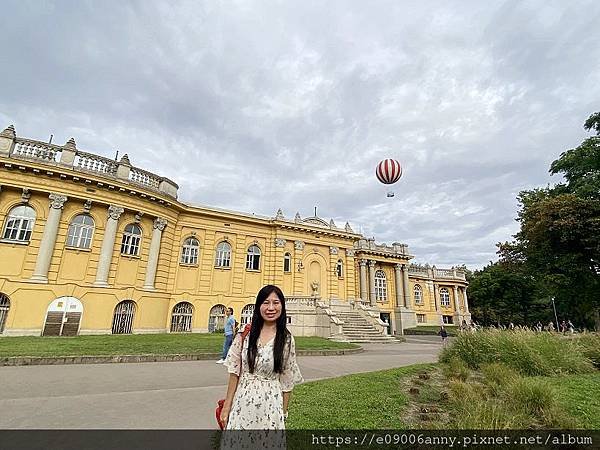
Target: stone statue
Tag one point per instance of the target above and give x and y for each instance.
(315, 288)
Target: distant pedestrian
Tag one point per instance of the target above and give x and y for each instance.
(550, 327)
(229, 330)
(570, 327)
(539, 326)
(563, 327)
(443, 334)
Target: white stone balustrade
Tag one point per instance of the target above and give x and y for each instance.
(69, 156)
(25, 148)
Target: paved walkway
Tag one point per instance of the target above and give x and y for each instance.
(161, 395)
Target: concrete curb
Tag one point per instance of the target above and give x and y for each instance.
(60, 360)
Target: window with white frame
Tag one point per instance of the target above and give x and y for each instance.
(189, 251)
(380, 286)
(421, 318)
(287, 262)
(246, 316)
(19, 224)
(253, 258)
(132, 236)
(447, 320)
(444, 297)
(339, 269)
(216, 319)
(418, 292)
(223, 256)
(81, 230)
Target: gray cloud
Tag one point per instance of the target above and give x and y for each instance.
(259, 105)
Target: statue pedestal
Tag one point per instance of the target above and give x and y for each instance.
(404, 318)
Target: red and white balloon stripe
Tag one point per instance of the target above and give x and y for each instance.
(388, 171)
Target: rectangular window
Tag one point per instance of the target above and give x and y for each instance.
(18, 230)
(447, 320)
(252, 262)
(421, 318)
(189, 255)
(286, 265)
(130, 245)
(223, 259)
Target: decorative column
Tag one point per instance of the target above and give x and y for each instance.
(108, 245)
(407, 302)
(298, 267)
(456, 305)
(158, 227)
(333, 278)
(363, 279)
(42, 264)
(465, 300)
(278, 264)
(399, 285)
(436, 297)
(349, 276)
(372, 298)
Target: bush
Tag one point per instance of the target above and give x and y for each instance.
(456, 369)
(590, 345)
(527, 352)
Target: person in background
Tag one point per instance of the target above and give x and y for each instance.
(229, 330)
(443, 334)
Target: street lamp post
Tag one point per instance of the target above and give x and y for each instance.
(555, 316)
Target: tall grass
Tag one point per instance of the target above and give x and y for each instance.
(527, 352)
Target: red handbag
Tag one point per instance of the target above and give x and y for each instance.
(221, 402)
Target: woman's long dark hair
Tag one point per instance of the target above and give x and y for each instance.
(281, 335)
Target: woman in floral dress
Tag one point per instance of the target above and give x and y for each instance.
(262, 369)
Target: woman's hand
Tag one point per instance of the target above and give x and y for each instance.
(225, 415)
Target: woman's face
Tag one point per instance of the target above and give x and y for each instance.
(270, 310)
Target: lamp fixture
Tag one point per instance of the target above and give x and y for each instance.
(300, 266)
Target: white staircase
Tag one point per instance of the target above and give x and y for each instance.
(356, 328)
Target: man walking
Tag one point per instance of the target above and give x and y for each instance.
(229, 326)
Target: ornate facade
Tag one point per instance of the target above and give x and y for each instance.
(90, 245)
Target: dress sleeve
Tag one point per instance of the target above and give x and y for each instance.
(233, 362)
(291, 372)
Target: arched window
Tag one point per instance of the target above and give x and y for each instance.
(189, 251)
(19, 224)
(418, 294)
(216, 318)
(223, 257)
(444, 297)
(380, 286)
(81, 230)
(247, 312)
(123, 317)
(4, 307)
(339, 268)
(253, 258)
(287, 262)
(130, 245)
(181, 318)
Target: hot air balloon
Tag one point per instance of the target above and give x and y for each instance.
(388, 171)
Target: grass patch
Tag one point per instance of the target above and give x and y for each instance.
(363, 401)
(528, 353)
(579, 395)
(590, 344)
(136, 344)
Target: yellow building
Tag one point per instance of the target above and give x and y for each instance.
(90, 245)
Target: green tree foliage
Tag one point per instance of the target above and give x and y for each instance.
(556, 253)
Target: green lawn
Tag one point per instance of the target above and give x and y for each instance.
(136, 344)
(380, 400)
(580, 396)
(375, 400)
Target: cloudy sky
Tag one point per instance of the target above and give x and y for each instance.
(255, 106)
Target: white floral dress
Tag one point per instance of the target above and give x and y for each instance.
(258, 400)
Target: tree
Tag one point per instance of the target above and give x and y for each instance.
(556, 252)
